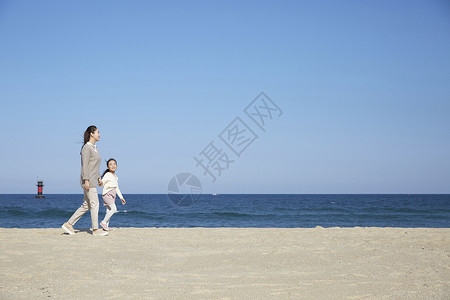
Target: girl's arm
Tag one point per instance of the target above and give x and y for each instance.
(120, 194)
(118, 191)
(106, 179)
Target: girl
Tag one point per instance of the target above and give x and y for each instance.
(110, 188)
(90, 177)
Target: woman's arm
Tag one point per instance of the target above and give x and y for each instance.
(85, 156)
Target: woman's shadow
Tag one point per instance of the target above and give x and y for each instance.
(87, 230)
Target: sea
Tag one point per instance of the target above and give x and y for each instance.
(235, 210)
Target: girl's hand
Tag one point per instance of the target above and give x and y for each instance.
(86, 184)
(123, 201)
(100, 182)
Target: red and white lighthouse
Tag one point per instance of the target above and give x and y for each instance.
(39, 184)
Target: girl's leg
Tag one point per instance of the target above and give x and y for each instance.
(113, 211)
(110, 210)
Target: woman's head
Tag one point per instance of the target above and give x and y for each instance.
(111, 166)
(91, 132)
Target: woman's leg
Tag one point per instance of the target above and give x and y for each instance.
(81, 210)
(93, 206)
(110, 210)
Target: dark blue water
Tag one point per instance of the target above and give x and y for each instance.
(24, 211)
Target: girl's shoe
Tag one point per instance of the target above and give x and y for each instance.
(104, 226)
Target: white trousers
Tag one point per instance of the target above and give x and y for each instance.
(110, 210)
(90, 204)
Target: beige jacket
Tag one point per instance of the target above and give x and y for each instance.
(111, 181)
(90, 165)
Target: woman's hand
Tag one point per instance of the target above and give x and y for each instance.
(123, 201)
(86, 184)
(100, 182)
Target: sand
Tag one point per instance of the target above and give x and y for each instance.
(226, 263)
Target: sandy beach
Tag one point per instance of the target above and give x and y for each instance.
(226, 263)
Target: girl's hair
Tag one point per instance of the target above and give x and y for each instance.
(87, 133)
(107, 170)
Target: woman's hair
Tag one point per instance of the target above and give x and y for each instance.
(107, 170)
(87, 133)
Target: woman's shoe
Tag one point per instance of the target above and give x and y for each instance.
(68, 228)
(99, 232)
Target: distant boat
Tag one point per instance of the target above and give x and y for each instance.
(215, 194)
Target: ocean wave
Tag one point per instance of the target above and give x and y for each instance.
(54, 213)
(14, 212)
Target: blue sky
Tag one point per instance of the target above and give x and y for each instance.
(364, 87)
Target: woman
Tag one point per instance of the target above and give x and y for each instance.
(90, 177)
